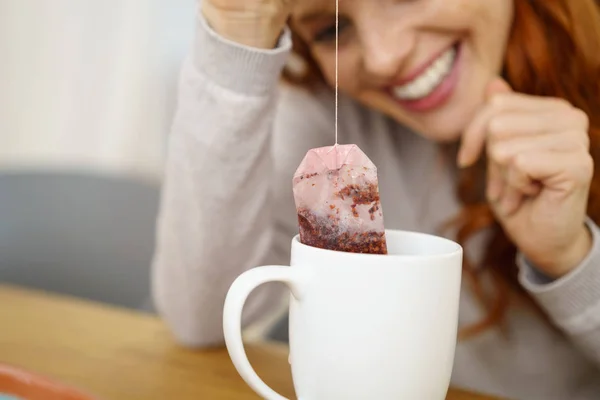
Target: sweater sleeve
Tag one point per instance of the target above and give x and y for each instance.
(224, 206)
(573, 301)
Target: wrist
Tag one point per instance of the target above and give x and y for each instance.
(570, 257)
(253, 28)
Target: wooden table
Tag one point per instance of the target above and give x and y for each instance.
(123, 355)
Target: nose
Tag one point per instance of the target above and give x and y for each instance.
(386, 47)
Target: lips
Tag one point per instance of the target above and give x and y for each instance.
(432, 84)
(426, 82)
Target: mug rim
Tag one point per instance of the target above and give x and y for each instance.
(456, 251)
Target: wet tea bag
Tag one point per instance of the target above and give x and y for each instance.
(337, 200)
(337, 193)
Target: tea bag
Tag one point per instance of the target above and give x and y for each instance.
(337, 200)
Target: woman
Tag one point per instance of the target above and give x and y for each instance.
(482, 116)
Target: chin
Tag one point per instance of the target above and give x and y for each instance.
(442, 135)
(445, 125)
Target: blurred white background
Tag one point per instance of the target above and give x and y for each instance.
(90, 84)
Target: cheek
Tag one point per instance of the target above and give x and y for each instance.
(326, 63)
(348, 71)
(487, 22)
(469, 13)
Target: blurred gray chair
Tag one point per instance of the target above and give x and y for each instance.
(80, 234)
(279, 332)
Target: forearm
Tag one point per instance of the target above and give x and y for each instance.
(215, 220)
(573, 301)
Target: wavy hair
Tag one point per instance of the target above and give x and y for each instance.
(553, 50)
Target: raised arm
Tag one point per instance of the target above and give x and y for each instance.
(226, 204)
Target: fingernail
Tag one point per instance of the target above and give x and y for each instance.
(509, 205)
(463, 161)
(533, 189)
(494, 190)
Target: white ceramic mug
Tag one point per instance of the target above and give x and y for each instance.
(362, 326)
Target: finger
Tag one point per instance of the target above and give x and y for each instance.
(521, 182)
(495, 182)
(555, 114)
(511, 201)
(518, 123)
(473, 139)
(504, 155)
(507, 188)
(501, 96)
(560, 171)
(524, 102)
(497, 86)
(503, 151)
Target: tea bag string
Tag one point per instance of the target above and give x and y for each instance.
(337, 51)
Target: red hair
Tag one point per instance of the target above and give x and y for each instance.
(553, 50)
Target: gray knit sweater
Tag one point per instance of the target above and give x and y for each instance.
(227, 206)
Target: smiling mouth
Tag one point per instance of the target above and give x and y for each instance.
(426, 82)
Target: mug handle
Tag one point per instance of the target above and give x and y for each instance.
(232, 319)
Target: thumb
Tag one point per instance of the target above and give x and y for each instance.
(474, 136)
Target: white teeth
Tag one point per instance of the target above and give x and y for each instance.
(429, 80)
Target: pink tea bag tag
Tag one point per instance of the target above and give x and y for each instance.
(337, 201)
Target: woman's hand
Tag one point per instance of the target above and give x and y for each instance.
(539, 174)
(256, 23)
